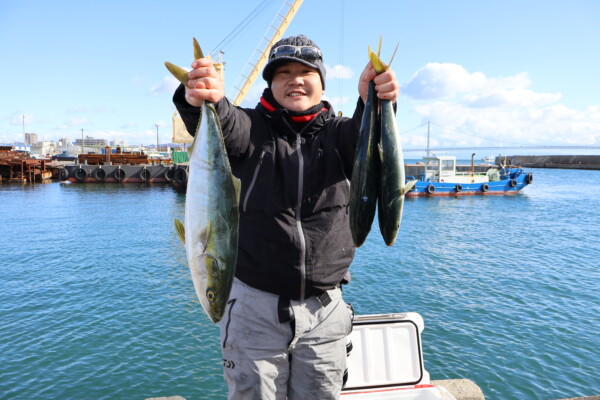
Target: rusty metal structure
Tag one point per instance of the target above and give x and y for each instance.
(16, 166)
(118, 158)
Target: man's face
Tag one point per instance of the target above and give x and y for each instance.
(296, 87)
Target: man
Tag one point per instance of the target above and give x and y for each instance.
(284, 332)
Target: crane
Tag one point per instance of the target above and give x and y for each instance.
(254, 66)
(276, 29)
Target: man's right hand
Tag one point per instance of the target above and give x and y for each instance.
(204, 83)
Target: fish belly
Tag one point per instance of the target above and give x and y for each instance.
(391, 197)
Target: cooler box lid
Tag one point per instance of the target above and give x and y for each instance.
(386, 352)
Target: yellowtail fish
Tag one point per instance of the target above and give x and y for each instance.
(365, 172)
(210, 228)
(392, 175)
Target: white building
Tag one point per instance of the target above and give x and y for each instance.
(31, 139)
(44, 148)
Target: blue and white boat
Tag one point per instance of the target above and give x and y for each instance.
(438, 176)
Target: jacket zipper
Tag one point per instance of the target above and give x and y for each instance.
(260, 161)
(299, 217)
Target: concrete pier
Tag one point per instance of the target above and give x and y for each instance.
(461, 389)
(583, 398)
(559, 162)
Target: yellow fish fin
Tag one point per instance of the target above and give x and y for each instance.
(197, 50)
(180, 230)
(237, 187)
(408, 187)
(179, 73)
(377, 63)
(394, 55)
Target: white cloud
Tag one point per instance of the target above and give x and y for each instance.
(168, 85)
(509, 98)
(338, 72)
(438, 81)
(520, 80)
(470, 109)
(77, 121)
(129, 124)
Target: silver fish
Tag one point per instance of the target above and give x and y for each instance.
(391, 188)
(392, 175)
(210, 228)
(365, 173)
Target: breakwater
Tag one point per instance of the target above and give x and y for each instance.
(559, 162)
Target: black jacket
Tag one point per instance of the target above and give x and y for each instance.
(294, 237)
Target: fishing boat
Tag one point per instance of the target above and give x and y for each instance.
(440, 176)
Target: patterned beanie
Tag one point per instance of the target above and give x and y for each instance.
(294, 48)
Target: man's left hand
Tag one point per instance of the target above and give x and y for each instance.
(386, 84)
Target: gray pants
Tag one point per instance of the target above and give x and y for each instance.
(263, 359)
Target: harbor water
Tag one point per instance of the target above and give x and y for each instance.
(96, 301)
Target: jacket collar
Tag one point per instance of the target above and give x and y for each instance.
(289, 124)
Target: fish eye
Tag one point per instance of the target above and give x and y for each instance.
(210, 295)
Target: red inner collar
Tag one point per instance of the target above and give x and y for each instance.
(296, 118)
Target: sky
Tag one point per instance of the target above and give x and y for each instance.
(475, 73)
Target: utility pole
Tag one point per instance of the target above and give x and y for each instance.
(156, 137)
(82, 142)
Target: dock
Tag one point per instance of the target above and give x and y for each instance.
(558, 162)
(123, 167)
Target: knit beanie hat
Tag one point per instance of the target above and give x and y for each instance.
(294, 48)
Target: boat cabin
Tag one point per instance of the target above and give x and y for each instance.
(443, 169)
(440, 168)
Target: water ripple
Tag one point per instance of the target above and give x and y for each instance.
(96, 299)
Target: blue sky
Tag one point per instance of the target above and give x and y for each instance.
(484, 73)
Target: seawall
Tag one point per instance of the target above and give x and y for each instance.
(560, 162)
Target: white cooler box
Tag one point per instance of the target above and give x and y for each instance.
(386, 360)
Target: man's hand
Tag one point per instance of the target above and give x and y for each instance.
(204, 83)
(386, 84)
